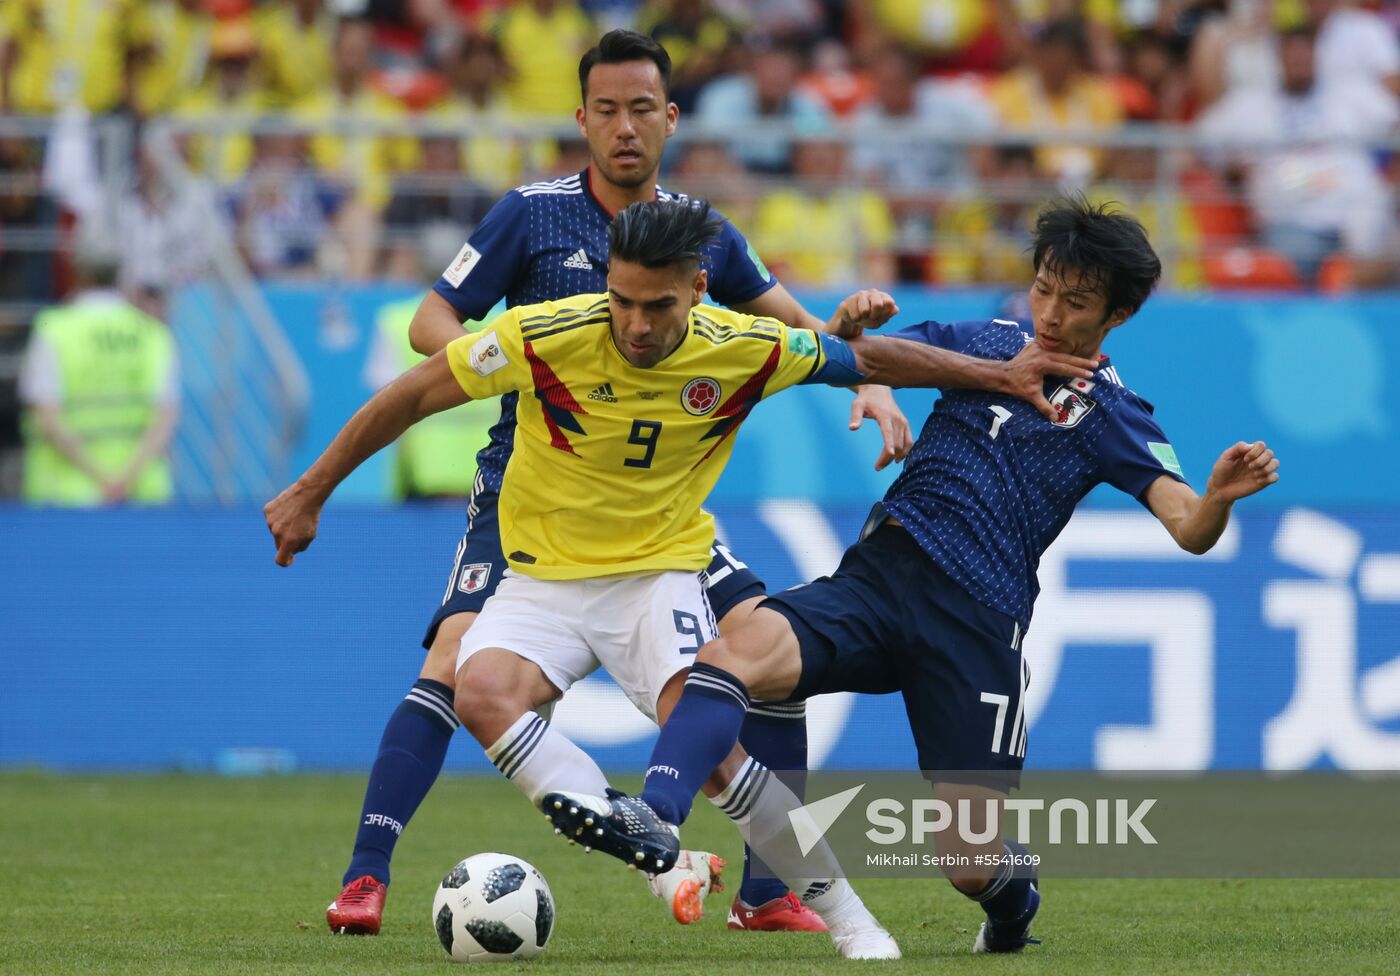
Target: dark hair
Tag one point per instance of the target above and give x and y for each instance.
(1067, 31)
(620, 46)
(660, 233)
(1109, 249)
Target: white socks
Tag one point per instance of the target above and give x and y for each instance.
(759, 803)
(540, 759)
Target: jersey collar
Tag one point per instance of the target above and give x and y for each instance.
(586, 179)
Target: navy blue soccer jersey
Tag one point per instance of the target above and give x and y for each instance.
(990, 482)
(547, 241)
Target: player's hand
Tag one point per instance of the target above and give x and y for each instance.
(1025, 374)
(878, 404)
(292, 518)
(1242, 470)
(868, 309)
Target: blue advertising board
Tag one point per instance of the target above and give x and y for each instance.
(169, 639)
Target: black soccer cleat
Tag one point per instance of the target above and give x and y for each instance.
(1014, 935)
(616, 824)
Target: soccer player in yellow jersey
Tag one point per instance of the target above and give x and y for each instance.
(629, 405)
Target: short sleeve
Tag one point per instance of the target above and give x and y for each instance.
(797, 357)
(737, 273)
(1134, 452)
(488, 264)
(491, 362)
(39, 381)
(169, 393)
(954, 336)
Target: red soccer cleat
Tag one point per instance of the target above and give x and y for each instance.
(785, 914)
(358, 908)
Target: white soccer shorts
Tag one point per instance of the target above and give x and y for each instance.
(641, 629)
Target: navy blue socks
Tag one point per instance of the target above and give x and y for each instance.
(702, 729)
(775, 735)
(410, 757)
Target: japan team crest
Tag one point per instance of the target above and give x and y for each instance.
(1071, 402)
(700, 396)
(474, 577)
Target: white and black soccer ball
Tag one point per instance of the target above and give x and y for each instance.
(493, 907)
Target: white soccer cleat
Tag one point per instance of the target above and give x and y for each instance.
(684, 887)
(861, 937)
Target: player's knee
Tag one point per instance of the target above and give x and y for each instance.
(721, 653)
(486, 699)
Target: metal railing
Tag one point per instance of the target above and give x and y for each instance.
(237, 435)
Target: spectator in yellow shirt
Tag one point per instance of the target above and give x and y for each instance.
(177, 57)
(231, 97)
(366, 163)
(1054, 93)
(295, 37)
(542, 41)
(823, 231)
(56, 53)
(476, 106)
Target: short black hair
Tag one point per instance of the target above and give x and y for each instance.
(1067, 32)
(1108, 248)
(660, 233)
(620, 46)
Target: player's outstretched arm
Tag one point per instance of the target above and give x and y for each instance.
(872, 401)
(427, 388)
(904, 362)
(1196, 522)
(434, 325)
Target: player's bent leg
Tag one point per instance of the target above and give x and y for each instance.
(993, 872)
(497, 695)
(763, 653)
(410, 757)
(775, 735)
(494, 688)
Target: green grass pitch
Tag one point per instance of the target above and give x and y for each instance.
(191, 875)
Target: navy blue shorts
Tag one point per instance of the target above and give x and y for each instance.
(479, 564)
(891, 620)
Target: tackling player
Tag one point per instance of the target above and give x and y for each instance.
(542, 242)
(600, 508)
(936, 597)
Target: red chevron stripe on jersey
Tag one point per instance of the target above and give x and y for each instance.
(732, 412)
(558, 403)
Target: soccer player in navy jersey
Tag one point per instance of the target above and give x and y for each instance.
(542, 242)
(935, 598)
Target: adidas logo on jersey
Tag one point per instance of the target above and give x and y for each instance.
(579, 261)
(603, 394)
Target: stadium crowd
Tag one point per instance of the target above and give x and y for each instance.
(857, 142)
(897, 156)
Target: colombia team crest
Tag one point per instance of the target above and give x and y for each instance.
(700, 396)
(1071, 402)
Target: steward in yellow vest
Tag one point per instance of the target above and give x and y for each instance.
(435, 458)
(101, 390)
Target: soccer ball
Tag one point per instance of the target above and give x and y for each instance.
(493, 907)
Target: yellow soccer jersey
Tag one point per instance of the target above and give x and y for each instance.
(612, 462)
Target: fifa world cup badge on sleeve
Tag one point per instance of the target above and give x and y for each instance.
(487, 355)
(1071, 402)
(462, 265)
